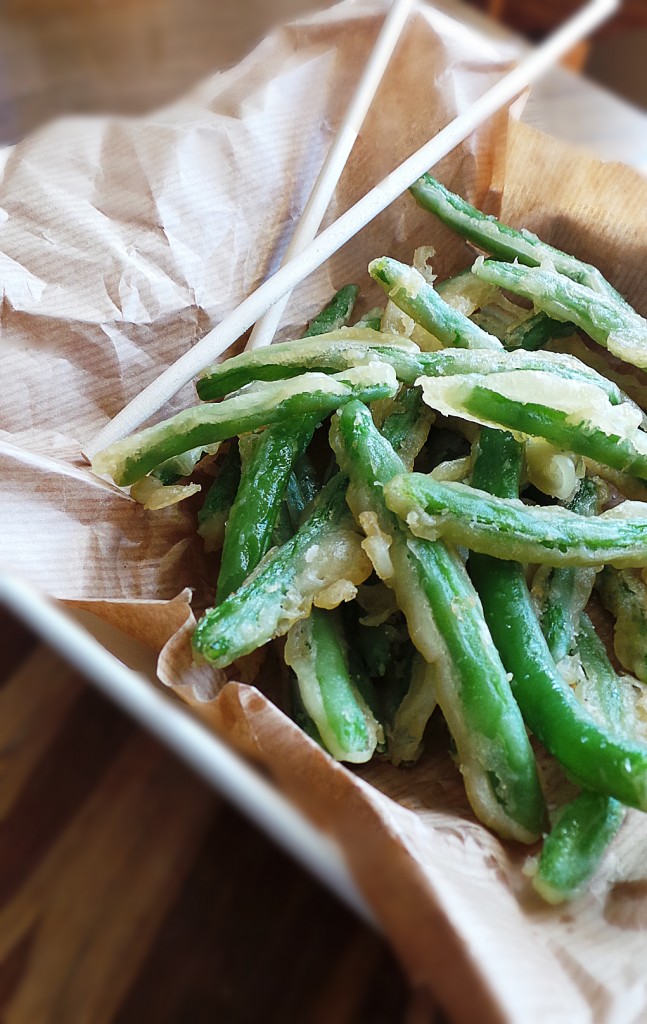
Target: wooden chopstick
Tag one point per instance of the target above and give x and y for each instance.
(218, 340)
(331, 170)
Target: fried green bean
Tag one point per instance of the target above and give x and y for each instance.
(213, 515)
(411, 293)
(329, 353)
(539, 404)
(332, 698)
(344, 350)
(501, 241)
(506, 528)
(336, 314)
(407, 427)
(260, 406)
(323, 564)
(578, 840)
(565, 592)
(624, 594)
(255, 510)
(601, 690)
(372, 320)
(575, 845)
(613, 325)
(537, 331)
(585, 826)
(317, 652)
(338, 695)
(406, 730)
(595, 757)
(446, 625)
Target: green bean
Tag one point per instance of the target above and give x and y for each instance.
(406, 730)
(213, 515)
(411, 293)
(339, 700)
(330, 353)
(412, 698)
(498, 319)
(446, 625)
(283, 528)
(579, 420)
(624, 594)
(372, 320)
(591, 755)
(506, 528)
(312, 394)
(501, 241)
(585, 826)
(615, 326)
(323, 563)
(576, 844)
(336, 314)
(317, 652)
(537, 331)
(333, 353)
(255, 510)
(333, 700)
(174, 469)
(601, 690)
(303, 486)
(565, 592)
(407, 427)
(562, 368)
(299, 714)
(497, 464)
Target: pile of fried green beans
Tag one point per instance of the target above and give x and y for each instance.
(427, 505)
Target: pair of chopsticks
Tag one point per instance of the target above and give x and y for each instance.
(307, 252)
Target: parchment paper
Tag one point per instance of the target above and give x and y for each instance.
(121, 242)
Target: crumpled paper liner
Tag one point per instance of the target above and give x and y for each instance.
(121, 243)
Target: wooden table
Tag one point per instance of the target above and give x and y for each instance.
(130, 892)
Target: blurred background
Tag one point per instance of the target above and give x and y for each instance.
(128, 56)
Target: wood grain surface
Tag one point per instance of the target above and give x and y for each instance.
(130, 893)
